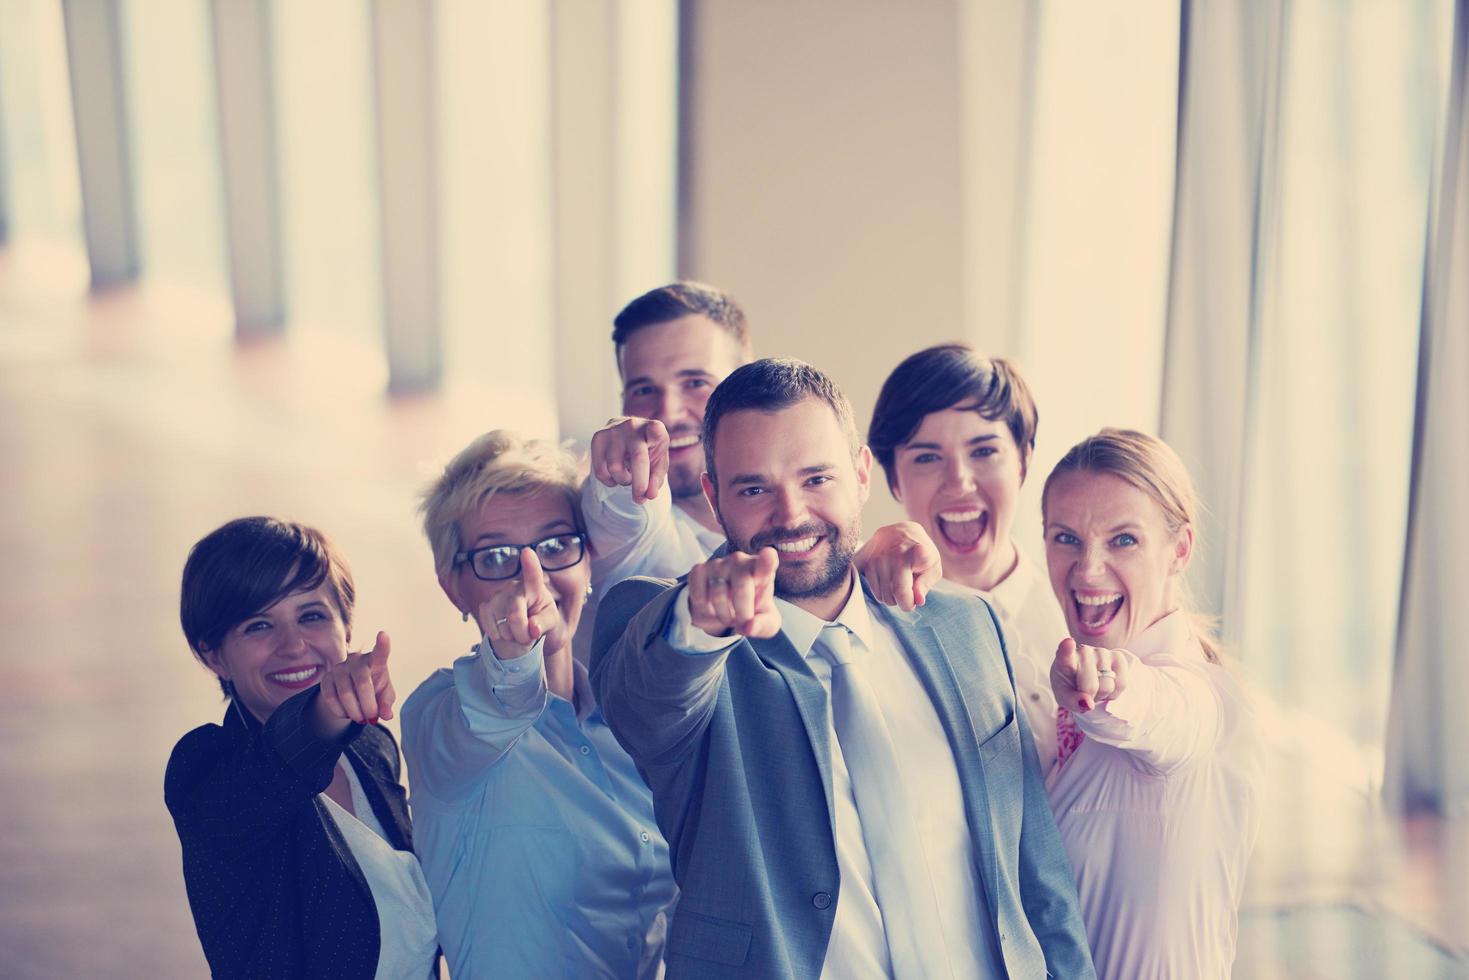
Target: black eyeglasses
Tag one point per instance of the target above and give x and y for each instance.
(499, 562)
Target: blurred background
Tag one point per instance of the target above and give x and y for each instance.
(262, 256)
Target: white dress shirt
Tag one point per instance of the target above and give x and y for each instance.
(1159, 810)
(405, 909)
(858, 946)
(654, 538)
(1034, 627)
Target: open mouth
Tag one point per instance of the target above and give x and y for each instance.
(677, 443)
(298, 677)
(963, 529)
(1096, 610)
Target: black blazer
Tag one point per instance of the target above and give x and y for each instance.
(273, 886)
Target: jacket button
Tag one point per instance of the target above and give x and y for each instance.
(821, 900)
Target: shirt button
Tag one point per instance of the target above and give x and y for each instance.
(644, 837)
(1034, 696)
(821, 900)
(586, 750)
(515, 669)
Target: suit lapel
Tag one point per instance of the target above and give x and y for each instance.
(811, 700)
(937, 672)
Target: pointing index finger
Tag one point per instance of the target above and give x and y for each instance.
(766, 562)
(640, 466)
(381, 648)
(532, 577)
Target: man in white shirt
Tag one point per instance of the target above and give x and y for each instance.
(844, 794)
(673, 345)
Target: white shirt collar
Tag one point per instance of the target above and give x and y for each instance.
(803, 628)
(1009, 595)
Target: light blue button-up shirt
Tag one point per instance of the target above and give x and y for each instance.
(534, 829)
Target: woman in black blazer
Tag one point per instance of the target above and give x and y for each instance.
(294, 825)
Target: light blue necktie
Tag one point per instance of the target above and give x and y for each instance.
(900, 870)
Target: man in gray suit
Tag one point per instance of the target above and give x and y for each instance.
(848, 790)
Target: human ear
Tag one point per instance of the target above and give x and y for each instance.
(711, 492)
(1183, 550)
(214, 662)
(864, 472)
(450, 585)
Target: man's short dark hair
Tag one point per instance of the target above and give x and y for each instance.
(681, 299)
(949, 376)
(248, 565)
(770, 385)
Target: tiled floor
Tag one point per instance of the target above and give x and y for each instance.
(130, 425)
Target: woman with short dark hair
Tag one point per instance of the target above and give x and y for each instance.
(954, 431)
(296, 841)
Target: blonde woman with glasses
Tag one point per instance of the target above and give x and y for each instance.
(534, 828)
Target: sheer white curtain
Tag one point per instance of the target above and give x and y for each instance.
(1426, 764)
(1093, 282)
(1325, 495)
(1223, 230)
(1308, 129)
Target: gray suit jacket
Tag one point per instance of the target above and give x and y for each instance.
(735, 748)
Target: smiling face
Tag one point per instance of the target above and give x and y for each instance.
(1114, 563)
(959, 476)
(509, 518)
(668, 372)
(787, 479)
(281, 651)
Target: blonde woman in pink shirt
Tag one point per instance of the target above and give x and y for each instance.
(1155, 788)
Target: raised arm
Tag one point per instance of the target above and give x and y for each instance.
(659, 651)
(232, 793)
(1163, 711)
(463, 721)
(629, 517)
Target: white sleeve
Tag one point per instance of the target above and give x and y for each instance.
(630, 539)
(1168, 716)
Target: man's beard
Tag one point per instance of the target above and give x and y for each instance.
(805, 581)
(685, 479)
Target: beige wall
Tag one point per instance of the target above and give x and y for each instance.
(824, 180)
